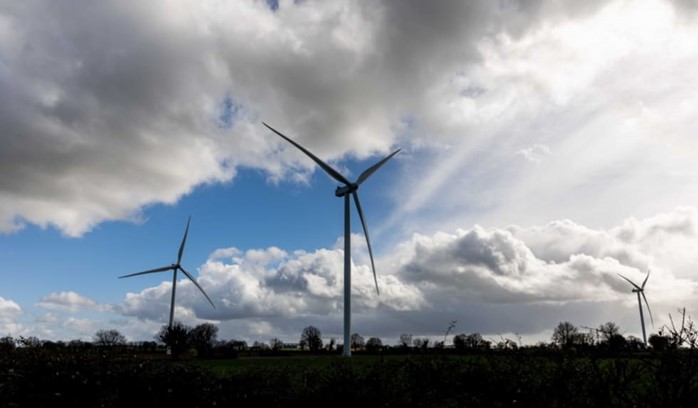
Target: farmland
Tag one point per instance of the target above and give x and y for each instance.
(38, 377)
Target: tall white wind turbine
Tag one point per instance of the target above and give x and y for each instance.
(345, 191)
(174, 268)
(640, 290)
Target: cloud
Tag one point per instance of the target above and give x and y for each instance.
(271, 283)
(9, 309)
(535, 153)
(100, 99)
(70, 301)
(515, 279)
(93, 121)
(601, 123)
(494, 266)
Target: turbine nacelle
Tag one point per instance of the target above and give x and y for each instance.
(341, 191)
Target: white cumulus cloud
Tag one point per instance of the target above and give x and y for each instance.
(70, 301)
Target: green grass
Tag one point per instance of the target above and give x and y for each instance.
(297, 361)
(45, 378)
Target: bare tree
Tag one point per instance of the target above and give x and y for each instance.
(685, 334)
(564, 334)
(260, 345)
(421, 342)
(311, 337)
(608, 330)
(406, 340)
(108, 338)
(357, 342)
(276, 344)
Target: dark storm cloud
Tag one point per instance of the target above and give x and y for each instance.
(100, 103)
(111, 106)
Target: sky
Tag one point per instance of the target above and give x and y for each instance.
(547, 146)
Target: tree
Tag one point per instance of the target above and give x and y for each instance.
(660, 342)
(476, 342)
(686, 334)
(406, 340)
(202, 338)
(276, 344)
(616, 342)
(260, 345)
(357, 342)
(608, 330)
(7, 343)
(311, 337)
(176, 338)
(473, 341)
(79, 345)
(29, 342)
(459, 341)
(238, 345)
(374, 344)
(108, 338)
(506, 344)
(633, 343)
(421, 343)
(564, 334)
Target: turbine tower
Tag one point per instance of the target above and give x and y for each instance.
(640, 290)
(345, 191)
(174, 268)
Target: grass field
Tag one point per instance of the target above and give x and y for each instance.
(294, 362)
(47, 378)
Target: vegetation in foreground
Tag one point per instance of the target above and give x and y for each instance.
(528, 377)
(576, 370)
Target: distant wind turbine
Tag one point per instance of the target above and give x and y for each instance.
(349, 188)
(174, 268)
(640, 290)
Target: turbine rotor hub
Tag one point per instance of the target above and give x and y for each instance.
(347, 189)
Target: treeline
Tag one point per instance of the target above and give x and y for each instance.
(202, 341)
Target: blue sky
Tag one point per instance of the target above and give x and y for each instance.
(546, 147)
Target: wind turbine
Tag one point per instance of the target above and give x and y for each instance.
(640, 290)
(174, 268)
(345, 191)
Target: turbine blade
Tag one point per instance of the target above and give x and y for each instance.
(647, 277)
(164, 268)
(332, 172)
(648, 307)
(629, 281)
(368, 241)
(184, 241)
(191, 278)
(375, 167)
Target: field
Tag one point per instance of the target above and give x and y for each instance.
(520, 378)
